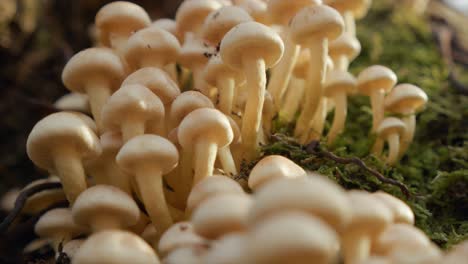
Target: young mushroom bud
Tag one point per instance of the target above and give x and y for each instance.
(60, 143)
(391, 129)
(343, 50)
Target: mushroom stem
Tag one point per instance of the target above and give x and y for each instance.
(339, 118)
(105, 221)
(150, 186)
(70, 171)
(198, 81)
(226, 89)
(393, 148)
(131, 128)
(98, 93)
(407, 138)
(205, 157)
(314, 84)
(186, 177)
(350, 23)
(378, 147)
(341, 63)
(227, 161)
(117, 42)
(356, 247)
(318, 122)
(60, 240)
(171, 69)
(118, 178)
(255, 80)
(377, 105)
(292, 100)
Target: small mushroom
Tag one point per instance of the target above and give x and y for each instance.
(398, 236)
(191, 15)
(70, 248)
(391, 129)
(229, 249)
(351, 9)
(60, 143)
(168, 24)
(252, 48)
(401, 211)
(257, 9)
(116, 247)
(73, 102)
(343, 50)
(179, 235)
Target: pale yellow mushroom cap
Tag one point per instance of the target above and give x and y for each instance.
(187, 102)
(359, 8)
(194, 52)
(273, 167)
(229, 249)
(292, 237)
(151, 44)
(212, 186)
(281, 12)
(191, 14)
(103, 203)
(221, 214)
(257, 9)
(93, 64)
(115, 247)
(339, 81)
(167, 24)
(391, 125)
(133, 101)
(57, 129)
(179, 235)
(205, 123)
(345, 45)
(376, 77)
(120, 17)
(186, 255)
(73, 102)
(401, 211)
(219, 22)
(43, 199)
(399, 235)
(314, 23)
(430, 254)
(58, 224)
(405, 98)
(148, 150)
(216, 69)
(251, 40)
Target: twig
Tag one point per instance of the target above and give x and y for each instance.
(21, 201)
(314, 148)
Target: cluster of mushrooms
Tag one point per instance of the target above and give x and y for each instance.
(148, 170)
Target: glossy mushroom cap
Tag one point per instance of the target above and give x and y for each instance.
(73, 102)
(42, 200)
(405, 99)
(186, 103)
(345, 45)
(157, 80)
(179, 235)
(401, 211)
(58, 224)
(115, 247)
(147, 150)
(397, 236)
(122, 17)
(376, 77)
(93, 64)
(391, 125)
(281, 12)
(339, 81)
(219, 22)
(254, 40)
(216, 69)
(292, 237)
(273, 167)
(210, 187)
(315, 23)
(191, 14)
(104, 206)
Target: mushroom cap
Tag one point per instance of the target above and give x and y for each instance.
(120, 17)
(179, 235)
(186, 255)
(430, 254)
(235, 130)
(59, 129)
(133, 101)
(71, 247)
(142, 223)
(359, 8)
(281, 12)
(58, 223)
(73, 102)
(399, 235)
(36, 245)
(458, 254)
(115, 247)
(229, 249)
(345, 45)
(292, 237)
(194, 52)
(207, 124)
(105, 202)
(186, 103)
(368, 213)
(402, 213)
(252, 40)
(43, 199)
(220, 21)
(391, 125)
(157, 80)
(191, 14)
(148, 150)
(167, 24)
(405, 99)
(273, 167)
(339, 81)
(376, 77)
(216, 69)
(315, 195)
(111, 141)
(257, 9)
(8, 200)
(93, 64)
(212, 186)
(221, 214)
(152, 43)
(315, 23)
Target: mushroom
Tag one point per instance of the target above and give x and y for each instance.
(37, 245)
(252, 48)
(351, 9)
(60, 143)
(376, 81)
(44, 199)
(179, 235)
(8, 200)
(257, 9)
(336, 87)
(186, 255)
(70, 248)
(73, 102)
(204, 130)
(343, 50)
(229, 249)
(458, 254)
(141, 224)
(313, 27)
(147, 158)
(96, 72)
(104, 207)
(271, 168)
(398, 236)
(117, 21)
(292, 237)
(391, 129)
(116, 247)
(191, 15)
(58, 226)
(130, 109)
(407, 100)
(169, 25)
(292, 100)
(401, 211)
(416, 254)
